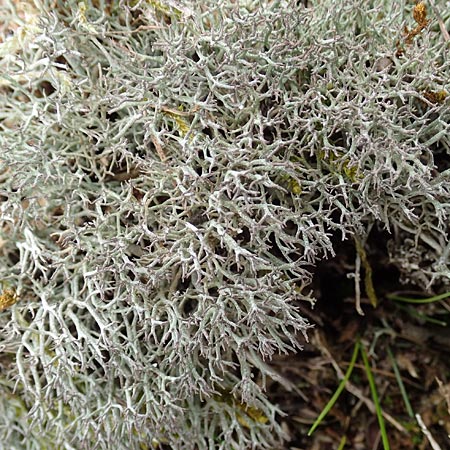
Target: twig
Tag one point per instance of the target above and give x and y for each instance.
(158, 147)
(426, 432)
(440, 21)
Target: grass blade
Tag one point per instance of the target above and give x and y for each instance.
(376, 400)
(342, 442)
(401, 384)
(435, 298)
(340, 388)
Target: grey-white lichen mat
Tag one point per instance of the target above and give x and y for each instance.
(170, 174)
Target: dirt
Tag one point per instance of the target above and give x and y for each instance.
(416, 335)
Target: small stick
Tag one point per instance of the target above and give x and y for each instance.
(426, 432)
(440, 21)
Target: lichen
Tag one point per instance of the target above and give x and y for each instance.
(163, 252)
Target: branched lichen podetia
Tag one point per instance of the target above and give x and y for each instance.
(164, 250)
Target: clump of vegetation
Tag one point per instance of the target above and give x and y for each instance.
(172, 172)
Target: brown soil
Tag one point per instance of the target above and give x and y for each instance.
(418, 337)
